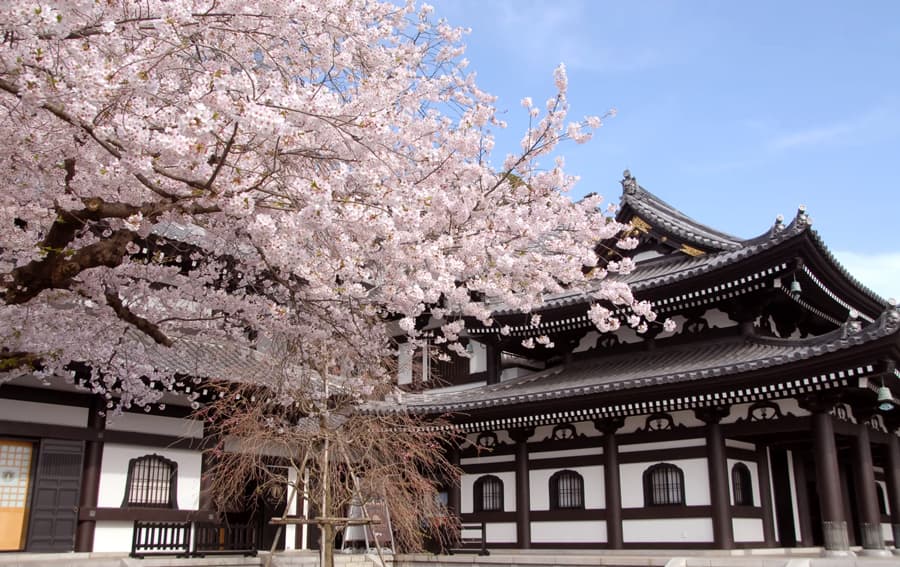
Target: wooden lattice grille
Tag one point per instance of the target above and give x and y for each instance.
(664, 485)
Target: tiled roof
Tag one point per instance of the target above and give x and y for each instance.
(665, 365)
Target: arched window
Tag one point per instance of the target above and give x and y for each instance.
(742, 485)
(488, 495)
(663, 485)
(151, 482)
(566, 491)
(882, 501)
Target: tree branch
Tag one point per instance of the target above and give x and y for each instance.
(143, 325)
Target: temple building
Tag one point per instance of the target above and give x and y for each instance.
(767, 418)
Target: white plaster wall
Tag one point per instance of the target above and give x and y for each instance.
(467, 484)
(740, 444)
(718, 319)
(487, 459)
(502, 437)
(34, 412)
(566, 453)
(539, 484)
(500, 532)
(887, 534)
(478, 357)
(635, 447)
(754, 475)
(114, 473)
(748, 529)
(686, 418)
(696, 482)
(113, 536)
(670, 530)
(156, 424)
(568, 532)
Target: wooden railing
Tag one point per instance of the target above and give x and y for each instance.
(161, 538)
(174, 538)
(211, 539)
(470, 543)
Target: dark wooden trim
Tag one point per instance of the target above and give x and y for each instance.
(666, 512)
(523, 497)
(659, 455)
(566, 462)
(489, 517)
(45, 396)
(805, 537)
(81, 399)
(573, 515)
(750, 429)
(763, 475)
(46, 430)
(90, 476)
(649, 457)
(747, 512)
(145, 515)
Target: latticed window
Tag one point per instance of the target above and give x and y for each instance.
(151, 482)
(742, 485)
(488, 494)
(663, 485)
(566, 491)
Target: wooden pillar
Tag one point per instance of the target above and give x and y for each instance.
(492, 352)
(763, 468)
(834, 526)
(611, 481)
(864, 474)
(454, 496)
(723, 530)
(90, 475)
(892, 476)
(523, 489)
(798, 464)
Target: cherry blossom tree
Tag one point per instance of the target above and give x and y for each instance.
(303, 177)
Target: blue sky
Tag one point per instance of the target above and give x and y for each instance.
(734, 112)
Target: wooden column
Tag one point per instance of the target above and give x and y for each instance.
(454, 496)
(611, 481)
(763, 467)
(864, 474)
(723, 530)
(492, 353)
(523, 489)
(90, 475)
(798, 463)
(834, 526)
(892, 475)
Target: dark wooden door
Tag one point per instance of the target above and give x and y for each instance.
(54, 512)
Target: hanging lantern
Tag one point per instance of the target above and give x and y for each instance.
(885, 399)
(795, 288)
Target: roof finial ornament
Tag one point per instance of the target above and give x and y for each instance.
(802, 219)
(853, 325)
(778, 226)
(629, 183)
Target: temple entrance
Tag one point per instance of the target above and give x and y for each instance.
(784, 506)
(54, 506)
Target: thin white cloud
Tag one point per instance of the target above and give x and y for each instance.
(880, 271)
(862, 128)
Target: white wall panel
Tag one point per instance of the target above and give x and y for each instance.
(114, 474)
(34, 412)
(156, 424)
(568, 532)
(488, 459)
(748, 529)
(502, 532)
(566, 453)
(678, 530)
(113, 536)
(655, 446)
